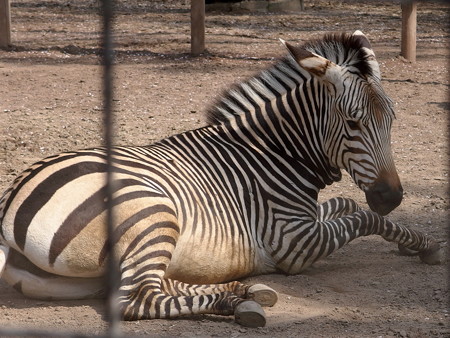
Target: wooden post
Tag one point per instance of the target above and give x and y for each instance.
(5, 24)
(197, 27)
(409, 27)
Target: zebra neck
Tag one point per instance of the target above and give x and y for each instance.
(283, 111)
(292, 155)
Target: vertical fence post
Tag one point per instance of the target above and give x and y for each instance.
(409, 27)
(197, 27)
(5, 24)
(112, 275)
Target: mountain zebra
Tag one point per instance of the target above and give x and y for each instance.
(233, 199)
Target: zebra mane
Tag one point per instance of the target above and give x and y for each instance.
(343, 49)
(346, 50)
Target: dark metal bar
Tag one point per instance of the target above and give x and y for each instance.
(112, 275)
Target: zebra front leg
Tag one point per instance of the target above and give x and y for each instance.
(364, 223)
(335, 208)
(260, 293)
(338, 207)
(308, 241)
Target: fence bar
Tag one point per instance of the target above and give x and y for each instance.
(197, 27)
(409, 28)
(112, 276)
(5, 24)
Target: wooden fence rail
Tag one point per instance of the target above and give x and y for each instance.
(408, 41)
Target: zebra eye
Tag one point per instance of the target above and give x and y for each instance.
(353, 124)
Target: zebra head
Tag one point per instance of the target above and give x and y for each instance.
(358, 116)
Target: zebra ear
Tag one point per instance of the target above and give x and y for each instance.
(363, 39)
(316, 65)
(370, 57)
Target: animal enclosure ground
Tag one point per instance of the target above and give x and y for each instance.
(51, 99)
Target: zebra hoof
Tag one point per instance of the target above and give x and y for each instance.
(250, 314)
(262, 294)
(404, 251)
(433, 255)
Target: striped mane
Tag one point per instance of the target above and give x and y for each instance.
(343, 49)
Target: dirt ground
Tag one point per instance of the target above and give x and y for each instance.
(51, 99)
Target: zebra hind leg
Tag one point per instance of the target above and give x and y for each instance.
(260, 293)
(33, 282)
(150, 300)
(144, 293)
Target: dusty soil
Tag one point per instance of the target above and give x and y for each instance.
(51, 99)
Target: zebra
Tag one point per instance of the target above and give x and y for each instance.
(198, 211)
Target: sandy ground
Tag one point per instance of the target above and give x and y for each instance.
(51, 98)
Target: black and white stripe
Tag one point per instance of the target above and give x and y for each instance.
(233, 199)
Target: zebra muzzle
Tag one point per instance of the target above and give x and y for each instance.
(383, 198)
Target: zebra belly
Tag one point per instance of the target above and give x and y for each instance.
(200, 262)
(201, 258)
